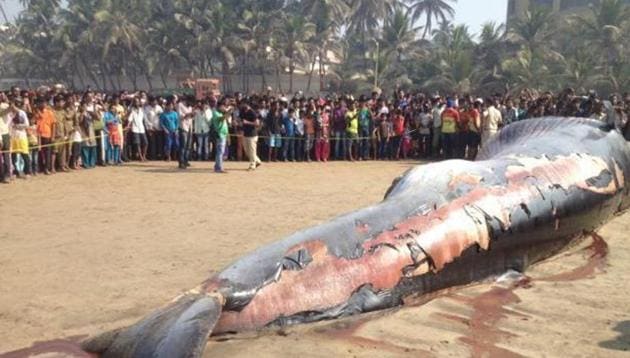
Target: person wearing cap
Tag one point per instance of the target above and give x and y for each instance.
(60, 136)
(450, 118)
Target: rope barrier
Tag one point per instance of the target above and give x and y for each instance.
(301, 138)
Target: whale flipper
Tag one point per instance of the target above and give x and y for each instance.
(180, 329)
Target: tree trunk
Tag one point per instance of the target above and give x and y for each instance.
(291, 70)
(264, 78)
(321, 72)
(149, 83)
(278, 80)
(163, 78)
(77, 72)
(104, 76)
(310, 75)
(243, 65)
(89, 72)
(120, 87)
(224, 69)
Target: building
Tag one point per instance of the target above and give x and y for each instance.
(518, 8)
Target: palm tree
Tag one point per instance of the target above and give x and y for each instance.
(120, 38)
(455, 67)
(295, 34)
(534, 31)
(329, 16)
(365, 18)
(604, 28)
(491, 50)
(526, 70)
(398, 46)
(440, 10)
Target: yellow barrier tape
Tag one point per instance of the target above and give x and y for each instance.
(301, 138)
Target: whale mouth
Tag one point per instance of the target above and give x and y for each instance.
(180, 329)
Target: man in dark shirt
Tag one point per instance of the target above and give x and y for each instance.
(273, 124)
(250, 132)
(339, 130)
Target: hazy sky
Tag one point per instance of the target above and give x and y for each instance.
(470, 12)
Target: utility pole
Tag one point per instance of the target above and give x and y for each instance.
(378, 50)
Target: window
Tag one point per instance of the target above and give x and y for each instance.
(511, 8)
(569, 4)
(542, 3)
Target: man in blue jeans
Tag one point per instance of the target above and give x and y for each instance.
(169, 121)
(220, 127)
(339, 130)
(288, 124)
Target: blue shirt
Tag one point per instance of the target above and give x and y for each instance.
(169, 121)
(110, 119)
(289, 126)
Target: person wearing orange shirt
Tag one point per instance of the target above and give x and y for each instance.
(474, 128)
(462, 129)
(450, 117)
(45, 119)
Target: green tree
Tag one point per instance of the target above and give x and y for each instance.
(295, 33)
(440, 10)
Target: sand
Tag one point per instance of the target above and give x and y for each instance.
(90, 251)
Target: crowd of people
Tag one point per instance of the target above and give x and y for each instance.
(56, 130)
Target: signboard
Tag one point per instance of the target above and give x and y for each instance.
(206, 87)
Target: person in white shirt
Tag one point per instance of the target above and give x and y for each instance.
(201, 128)
(5, 140)
(491, 120)
(136, 121)
(436, 113)
(185, 111)
(19, 139)
(155, 136)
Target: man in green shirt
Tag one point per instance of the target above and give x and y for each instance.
(366, 127)
(352, 129)
(220, 128)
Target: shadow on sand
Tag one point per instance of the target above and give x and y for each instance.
(622, 342)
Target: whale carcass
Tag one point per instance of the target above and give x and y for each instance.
(536, 187)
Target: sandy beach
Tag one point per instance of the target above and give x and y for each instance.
(93, 250)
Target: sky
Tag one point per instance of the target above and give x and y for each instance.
(470, 12)
(476, 12)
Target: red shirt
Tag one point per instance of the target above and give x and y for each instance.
(399, 125)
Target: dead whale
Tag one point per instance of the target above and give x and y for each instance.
(535, 188)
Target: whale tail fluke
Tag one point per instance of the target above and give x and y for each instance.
(179, 330)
